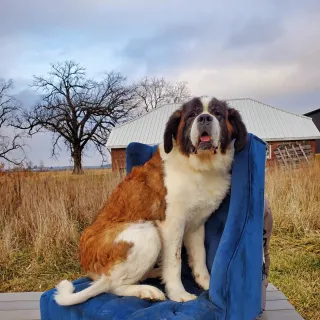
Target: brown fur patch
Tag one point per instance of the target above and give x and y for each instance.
(180, 131)
(141, 196)
(179, 140)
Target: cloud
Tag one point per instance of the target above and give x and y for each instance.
(255, 32)
(298, 102)
(260, 57)
(267, 50)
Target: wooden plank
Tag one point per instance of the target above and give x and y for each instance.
(271, 287)
(20, 315)
(275, 295)
(20, 296)
(285, 147)
(281, 315)
(19, 305)
(295, 151)
(303, 153)
(279, 305)
(284, 161)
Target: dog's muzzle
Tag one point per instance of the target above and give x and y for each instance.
(205, 128)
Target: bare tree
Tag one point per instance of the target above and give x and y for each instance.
(77, 110)
(29, 165)
(41, 165)
(8, 108)
(155, 92)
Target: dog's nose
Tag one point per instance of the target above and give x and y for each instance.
(205, 118)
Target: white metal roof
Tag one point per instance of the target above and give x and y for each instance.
(266, 122)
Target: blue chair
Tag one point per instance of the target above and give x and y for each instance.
(234, 256)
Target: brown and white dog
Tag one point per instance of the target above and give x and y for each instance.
(160, 206)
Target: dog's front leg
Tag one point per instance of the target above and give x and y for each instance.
(194, 243)
(172, 230)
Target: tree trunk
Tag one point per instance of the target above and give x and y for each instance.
(77, 161)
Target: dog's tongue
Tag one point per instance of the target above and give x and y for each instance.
(205, 139)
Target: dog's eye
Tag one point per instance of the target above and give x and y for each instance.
(192, 114)
(217, 113)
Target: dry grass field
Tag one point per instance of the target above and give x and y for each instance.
(295, 246)
(42, 216)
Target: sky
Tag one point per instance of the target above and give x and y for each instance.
(265, 50)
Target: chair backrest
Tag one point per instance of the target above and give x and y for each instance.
(137, 154)
(236, 273)
(234, 233)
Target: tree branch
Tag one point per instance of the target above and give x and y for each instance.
(155, 92)
(8, 109)
(78, 110)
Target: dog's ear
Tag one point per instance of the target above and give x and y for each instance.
(171, 130)
(239, 130)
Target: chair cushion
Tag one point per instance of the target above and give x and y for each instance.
(110, 306)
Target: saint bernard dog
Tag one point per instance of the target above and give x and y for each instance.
(160, 206)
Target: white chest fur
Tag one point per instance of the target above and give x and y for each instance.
(197, 193)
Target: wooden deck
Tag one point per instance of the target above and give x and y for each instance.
(278, 306)
(25, 306)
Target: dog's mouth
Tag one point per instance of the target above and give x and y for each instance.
(205, 143)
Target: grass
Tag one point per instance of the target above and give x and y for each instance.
(294, 197)
(295, 270)
(42, 216)
(41, 219)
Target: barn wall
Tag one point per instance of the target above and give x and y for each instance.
(275, 144)
(314, 144)
(118, 158)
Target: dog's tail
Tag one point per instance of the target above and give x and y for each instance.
(66, 297)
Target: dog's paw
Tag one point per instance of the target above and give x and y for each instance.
(151, 293)
(181, 296)
(203, 280)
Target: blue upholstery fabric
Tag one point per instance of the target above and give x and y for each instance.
(234, 256)
(137, 154)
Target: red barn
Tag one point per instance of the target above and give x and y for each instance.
(291, 138)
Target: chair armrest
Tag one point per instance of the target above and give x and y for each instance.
(236, 274)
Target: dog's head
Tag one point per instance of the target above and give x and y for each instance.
(205, 126)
